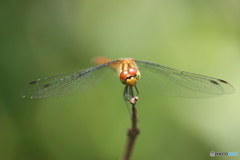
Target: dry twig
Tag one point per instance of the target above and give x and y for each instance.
(132, 132)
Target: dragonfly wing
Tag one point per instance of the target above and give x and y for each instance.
(65, 84)
(169, 81)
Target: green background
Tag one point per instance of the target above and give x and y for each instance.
(45, 38)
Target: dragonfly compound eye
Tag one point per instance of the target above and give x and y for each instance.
(124, 75)
(132, 71)
(129, 77)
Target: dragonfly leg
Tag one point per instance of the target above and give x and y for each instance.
(131, 95)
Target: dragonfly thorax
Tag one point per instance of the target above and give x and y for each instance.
(130, 77)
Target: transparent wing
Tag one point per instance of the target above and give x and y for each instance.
(168, 81)
(65, 84)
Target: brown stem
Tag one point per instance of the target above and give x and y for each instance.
(132, 132)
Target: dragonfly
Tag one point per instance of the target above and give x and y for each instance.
(132, 73)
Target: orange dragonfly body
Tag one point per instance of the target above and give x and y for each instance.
(154, 77)
(126, 68)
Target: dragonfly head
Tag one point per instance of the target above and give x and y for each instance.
(130, 77)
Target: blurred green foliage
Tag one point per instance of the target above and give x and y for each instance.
(46, 38)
